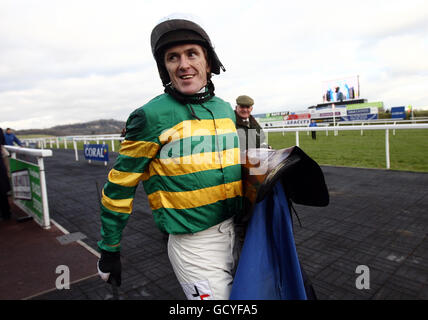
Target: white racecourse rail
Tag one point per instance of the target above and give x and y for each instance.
(397, 125)
(39, 154)
(43, 141)
(354, 128)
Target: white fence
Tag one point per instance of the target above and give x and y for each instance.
(42, 143)
(355, 128)
(340, 126)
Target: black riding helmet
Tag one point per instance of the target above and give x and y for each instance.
(178, 31)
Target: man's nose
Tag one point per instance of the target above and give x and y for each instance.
(184, 63)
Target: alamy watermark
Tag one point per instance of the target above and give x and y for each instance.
(63, 280)
(362, 282)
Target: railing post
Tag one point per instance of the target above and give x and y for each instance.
(75, 150)
(388, 165)
(297, 138)
(45, 204)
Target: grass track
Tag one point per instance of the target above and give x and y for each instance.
(408, 148)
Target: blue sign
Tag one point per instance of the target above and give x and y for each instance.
(398, 113)
(360, 117)
(97, 152)
(358, 111)
(362, 114)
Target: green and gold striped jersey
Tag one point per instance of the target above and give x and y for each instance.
(189, 166)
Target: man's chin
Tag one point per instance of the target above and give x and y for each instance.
(188, 90)
(188, 87)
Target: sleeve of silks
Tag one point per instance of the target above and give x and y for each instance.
(136, 151)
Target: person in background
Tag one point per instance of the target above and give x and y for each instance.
(250, 133)
(4, 153)
(314, 133)
(4, 182)
(11, 138)
(251, 136)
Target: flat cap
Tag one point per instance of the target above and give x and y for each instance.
(244, 101)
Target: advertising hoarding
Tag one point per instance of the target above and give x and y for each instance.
(398, 112)
(328, 113)
(284, 118)
(361, 114)
(97, 152)
(376, 104)
(297, 119)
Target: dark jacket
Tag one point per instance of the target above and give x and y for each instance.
(2, 139)
(4, 179)
(11, 138)
(250, 138)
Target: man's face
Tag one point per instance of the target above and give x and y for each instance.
(244, 111)
(8, 131)
(187, 67)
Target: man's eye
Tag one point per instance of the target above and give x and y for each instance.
(171, 58)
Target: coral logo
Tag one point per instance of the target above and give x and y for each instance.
(97, 152)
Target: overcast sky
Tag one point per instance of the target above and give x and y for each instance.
(64, 62)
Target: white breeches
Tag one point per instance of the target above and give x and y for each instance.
(205, 262)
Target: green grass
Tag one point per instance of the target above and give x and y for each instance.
(408, 148)
(32, 136)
